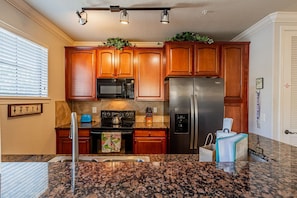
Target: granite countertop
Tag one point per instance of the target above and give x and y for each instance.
(165, 176)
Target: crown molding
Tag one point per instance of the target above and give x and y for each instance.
(276, 17)
(101, 43)
(35, 16)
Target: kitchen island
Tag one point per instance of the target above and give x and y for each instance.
(165, 176)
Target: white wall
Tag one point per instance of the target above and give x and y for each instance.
(264, 62)
(33, 134)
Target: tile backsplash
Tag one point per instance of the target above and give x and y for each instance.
(64, 109)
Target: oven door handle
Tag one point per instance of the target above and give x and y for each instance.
(122, 132)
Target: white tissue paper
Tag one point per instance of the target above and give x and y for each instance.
(227, 129)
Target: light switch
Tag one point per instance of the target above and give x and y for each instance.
(155, 109)
(94, 109)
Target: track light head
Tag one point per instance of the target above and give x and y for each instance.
(124, 17)
(82, 17)
(165, 17)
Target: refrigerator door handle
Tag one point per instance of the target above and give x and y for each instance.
(196, 122)
(192, 123)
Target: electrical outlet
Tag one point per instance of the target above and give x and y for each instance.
(155, 109)
(94, 109)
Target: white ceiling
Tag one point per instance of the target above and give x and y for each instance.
(224, 20)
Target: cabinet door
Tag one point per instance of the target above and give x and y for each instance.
(80, 78)
(149, 145)
(149, 75)
(179, 59)
(149, 142)
(124, 63)
(64, 143)
(207, 60)
(105, 63)
(235, 60)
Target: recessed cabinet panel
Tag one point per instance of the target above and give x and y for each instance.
(179, 59)
(207, 60)
(149, 142)
(105, 63)
(149, 73)
(113, 63)
(235, 111)
(80, 75)
(235, 68)
(124, 63)
(64, 143)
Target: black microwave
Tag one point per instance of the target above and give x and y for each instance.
(115, 88)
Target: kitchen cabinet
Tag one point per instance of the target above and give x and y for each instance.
(235, 66)
(149, 74)
(64, 143)
(112, 63)
(192, 59)
(80, 73)
(149, 142)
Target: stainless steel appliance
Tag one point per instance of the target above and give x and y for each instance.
(115, 88)
(196, 108)
(109, 125)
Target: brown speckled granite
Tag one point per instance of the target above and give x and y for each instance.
(178, 176)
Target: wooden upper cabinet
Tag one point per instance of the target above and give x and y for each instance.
(192, 59)
(235, 71)
(80, 73)
(149, 74)
(235, 66)
(207, 60)
(113, 63)
(179, 58)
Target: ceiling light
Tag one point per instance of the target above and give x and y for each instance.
(124, 17)
(165, 17)
(82, 17)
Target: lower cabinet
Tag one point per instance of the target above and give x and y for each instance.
(149, 142)
(64, 143)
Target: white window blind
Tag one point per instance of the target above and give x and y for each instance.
(23, 67)
(293, 116)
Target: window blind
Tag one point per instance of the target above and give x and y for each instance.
(23, 67)
(293, 116)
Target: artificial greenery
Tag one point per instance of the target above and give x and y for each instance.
(191, 36)
(118, 43)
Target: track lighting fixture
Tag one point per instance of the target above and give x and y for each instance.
(82, 17)
(124, 16)
(164, 17)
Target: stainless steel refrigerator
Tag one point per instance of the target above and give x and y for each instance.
(196, 108)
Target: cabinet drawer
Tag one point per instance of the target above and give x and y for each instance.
(65, 133)
(149, 133)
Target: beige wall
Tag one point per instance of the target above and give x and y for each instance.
(33, 134)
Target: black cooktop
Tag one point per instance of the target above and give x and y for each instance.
(127, 120)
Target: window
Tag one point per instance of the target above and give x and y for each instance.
(23, 67)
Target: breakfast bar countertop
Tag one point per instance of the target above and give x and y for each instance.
(165, 176)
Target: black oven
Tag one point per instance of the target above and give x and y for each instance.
(126, 141)
(115, 88)
(108, 128)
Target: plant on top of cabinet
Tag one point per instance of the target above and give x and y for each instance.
(118, 43)
(191, 36)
